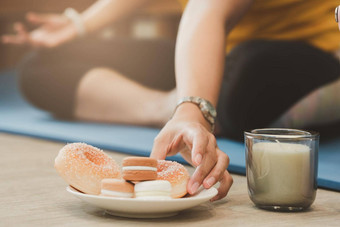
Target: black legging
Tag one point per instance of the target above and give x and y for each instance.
(262, 78)
(49, 78)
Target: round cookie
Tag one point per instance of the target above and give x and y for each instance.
(116, 188)
(139, 168)
(156, 189)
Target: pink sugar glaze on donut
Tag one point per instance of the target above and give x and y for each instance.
(176, 174)
(84, 166)
(93, 156)
(171, 171)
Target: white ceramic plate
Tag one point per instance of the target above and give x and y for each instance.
(138, 208)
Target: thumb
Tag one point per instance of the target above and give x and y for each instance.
(49, 20)
(35, 18)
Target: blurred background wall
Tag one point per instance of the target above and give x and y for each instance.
(158, 20)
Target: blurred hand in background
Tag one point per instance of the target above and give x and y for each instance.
(53, 30)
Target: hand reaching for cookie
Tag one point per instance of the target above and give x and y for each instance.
(54, 30)
(197, 146)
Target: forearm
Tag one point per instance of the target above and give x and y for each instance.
(200, 57)
(200, 50)
(200, 53)
(104, 12)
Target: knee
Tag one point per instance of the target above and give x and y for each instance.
(97, 73)
(92, 77)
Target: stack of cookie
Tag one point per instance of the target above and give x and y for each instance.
(144, 178)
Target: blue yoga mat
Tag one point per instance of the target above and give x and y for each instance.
(18, 117)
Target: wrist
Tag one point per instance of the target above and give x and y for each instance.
(207, 110)
(76, 20)
(190, 112)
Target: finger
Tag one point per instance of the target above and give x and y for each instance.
(225, 184)
(20, 29)
(193, 183)
(160, 147)
(12, 39)
(49, 21)
(217, 172)
(199, 142)
(202, 170)
(18, 38)
(38, 19)
(182, 143)
(176, 145)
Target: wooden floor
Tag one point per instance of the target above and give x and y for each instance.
(32, 194)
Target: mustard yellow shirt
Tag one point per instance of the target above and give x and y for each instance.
(311, 21)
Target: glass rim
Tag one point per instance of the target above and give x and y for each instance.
(280, 133)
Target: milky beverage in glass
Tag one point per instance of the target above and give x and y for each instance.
(281, 168)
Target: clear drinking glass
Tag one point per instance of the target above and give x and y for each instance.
(281, 168)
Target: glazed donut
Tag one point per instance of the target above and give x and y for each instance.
(176, 174)
(83, 167)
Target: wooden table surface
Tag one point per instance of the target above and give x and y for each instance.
(32, 194)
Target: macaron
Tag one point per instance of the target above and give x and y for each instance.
(116, 188)
(156, 189)
(139, 168)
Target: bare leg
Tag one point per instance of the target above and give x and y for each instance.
(319, 107)
(106, 96)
